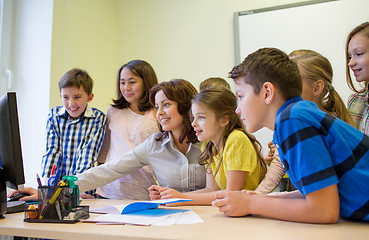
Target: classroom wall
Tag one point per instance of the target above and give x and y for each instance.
(85, 35)
(30, 63)
(188, 39)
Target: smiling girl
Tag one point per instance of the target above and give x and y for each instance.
(130, 121)
(357, 59)
(231, 155)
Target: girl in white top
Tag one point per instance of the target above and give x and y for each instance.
(130, 121)
(173, 153)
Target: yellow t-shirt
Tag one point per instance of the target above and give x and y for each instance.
(238, 154)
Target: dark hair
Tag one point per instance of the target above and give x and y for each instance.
(313, 67)
(77, 78)
(143, 70)
(223, 102)
(182, 92)
(270, 65)
(364, 29)
(212, 82)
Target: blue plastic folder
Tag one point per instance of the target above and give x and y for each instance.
(144, 206)
(140, 206)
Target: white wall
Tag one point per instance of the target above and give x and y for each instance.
(294, 28)
(326, 33)
(31, 67)
(6, 30)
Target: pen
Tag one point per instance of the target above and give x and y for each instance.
(156, 182)
(155, 179)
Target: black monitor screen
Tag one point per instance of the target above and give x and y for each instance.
(10, 145)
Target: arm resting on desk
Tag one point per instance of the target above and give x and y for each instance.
(321, 206)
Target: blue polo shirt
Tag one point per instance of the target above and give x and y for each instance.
(319, 150)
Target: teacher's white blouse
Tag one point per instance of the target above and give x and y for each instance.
(172, 168)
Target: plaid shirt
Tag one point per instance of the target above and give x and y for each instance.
(72, 144)
(358, 106)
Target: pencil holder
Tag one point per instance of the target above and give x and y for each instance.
(57, 204)
(54, 202)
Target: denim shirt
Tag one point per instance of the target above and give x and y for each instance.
(172, 168)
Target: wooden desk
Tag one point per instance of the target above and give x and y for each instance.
(215, 226)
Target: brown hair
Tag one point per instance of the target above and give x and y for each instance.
(313, 67)
(77, 78)
(143, 70)
(212, 82)
(364, 29)
(223, 102)
(270, 65)
(182, 92)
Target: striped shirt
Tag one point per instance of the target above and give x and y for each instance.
(319, 150)
(72, 144)
(358, 106)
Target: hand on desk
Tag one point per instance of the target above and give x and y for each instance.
(32, 192)
(233, 203)
(154, 192)
(157, 192)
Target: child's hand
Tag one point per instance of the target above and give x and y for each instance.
(32, 192)
(154, 192)
(269, 157)
(232, 203)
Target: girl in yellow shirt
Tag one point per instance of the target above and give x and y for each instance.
(232, 155)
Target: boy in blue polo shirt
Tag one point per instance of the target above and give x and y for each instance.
(326, 159)
(75, 131)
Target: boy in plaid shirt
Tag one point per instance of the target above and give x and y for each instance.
(75, 131)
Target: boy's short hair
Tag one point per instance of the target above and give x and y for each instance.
(270, 65)
(214, 81)
(77, 78)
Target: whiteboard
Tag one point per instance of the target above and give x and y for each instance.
(322, 27)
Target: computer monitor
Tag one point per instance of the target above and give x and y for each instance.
(10, 148)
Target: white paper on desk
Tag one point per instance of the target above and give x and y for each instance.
(184, 217)
(115, 209)
(169, 221)
(189, 217)
(125, 219)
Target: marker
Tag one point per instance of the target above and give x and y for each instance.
(38, 180)
(53, 169)
(39, 185)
